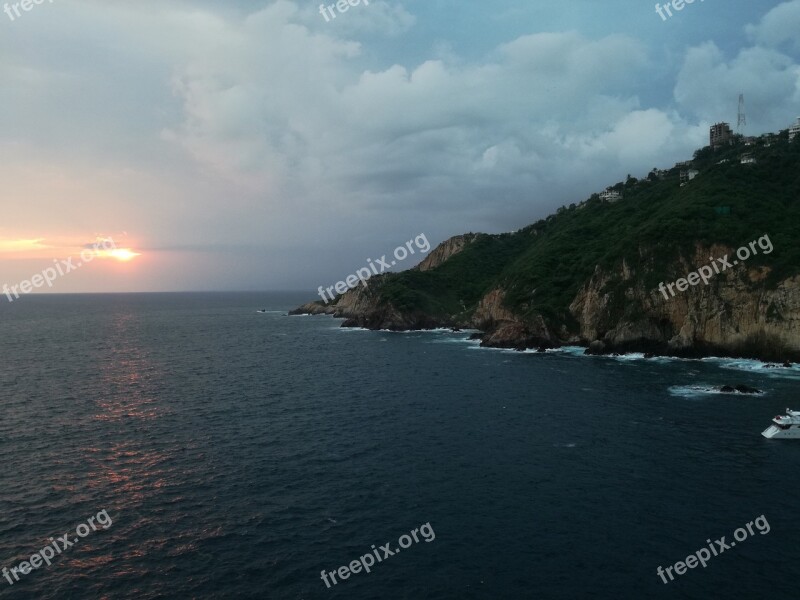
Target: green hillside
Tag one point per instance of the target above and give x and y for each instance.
(656, 221)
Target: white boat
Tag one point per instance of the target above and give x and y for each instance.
(784, 426)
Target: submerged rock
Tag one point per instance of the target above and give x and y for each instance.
(746, 389)
(597, 347)
(739, 389)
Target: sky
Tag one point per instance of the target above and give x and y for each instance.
(258, 146)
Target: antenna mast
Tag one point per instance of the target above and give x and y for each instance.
(742, 120)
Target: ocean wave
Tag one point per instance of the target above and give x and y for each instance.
(479, 347)
(571, 350)
(457, 340)
(736, 364)
(695, 391)
(436, 330)
(755, 366)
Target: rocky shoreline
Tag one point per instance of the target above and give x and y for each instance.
(516, 338)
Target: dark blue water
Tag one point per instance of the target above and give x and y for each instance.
(239, 454)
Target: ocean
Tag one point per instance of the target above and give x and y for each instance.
(238, 454)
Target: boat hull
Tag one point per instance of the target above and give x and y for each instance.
(774, 432)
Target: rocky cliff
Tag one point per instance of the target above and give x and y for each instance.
(364, 306)
(445, 250)
(736, 314)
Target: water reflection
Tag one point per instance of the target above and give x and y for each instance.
(129, 378)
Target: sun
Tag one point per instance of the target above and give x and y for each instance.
(122, 254)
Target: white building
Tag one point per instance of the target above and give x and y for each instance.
(748, 159)
(687, 175)
(610, 196)
(794, 130)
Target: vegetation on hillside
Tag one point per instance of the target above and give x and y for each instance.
(542, 266)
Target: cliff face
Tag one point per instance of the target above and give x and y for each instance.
(504, 329)
(735, 314)
(361, 300)
(445, 250)
(364, 306)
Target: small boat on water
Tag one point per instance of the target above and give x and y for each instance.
(787, 426)
(263, 310)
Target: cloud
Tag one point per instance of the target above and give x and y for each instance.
(374, 17)
(779, 26)
(21, 246)
(709, 84)
(371, 134)
(267, 143)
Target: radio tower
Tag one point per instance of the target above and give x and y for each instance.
(742, 122)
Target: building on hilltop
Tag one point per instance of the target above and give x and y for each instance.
(794, 130)
(687, 175)
(720, 134)
(610, 195)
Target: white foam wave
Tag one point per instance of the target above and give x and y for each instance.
(756, 366)
(696, 391)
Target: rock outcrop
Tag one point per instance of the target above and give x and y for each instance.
(363, 306)
(504, 329)
(446, 250)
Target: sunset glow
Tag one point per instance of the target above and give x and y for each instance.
(21, 245)
(122, 254)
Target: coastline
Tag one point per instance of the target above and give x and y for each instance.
(647, 349)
